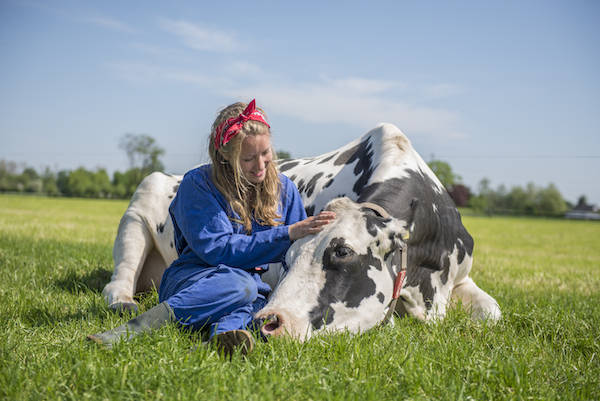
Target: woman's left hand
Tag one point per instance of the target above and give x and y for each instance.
(310, 225)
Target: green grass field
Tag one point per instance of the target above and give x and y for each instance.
(55, 258)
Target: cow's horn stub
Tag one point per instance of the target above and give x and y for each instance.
(376, 208)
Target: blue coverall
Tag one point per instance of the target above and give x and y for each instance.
(215, 283)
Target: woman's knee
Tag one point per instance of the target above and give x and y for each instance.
(243, 287)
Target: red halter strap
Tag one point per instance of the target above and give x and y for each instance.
(398, 283)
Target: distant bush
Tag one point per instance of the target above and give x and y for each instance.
(531, 200)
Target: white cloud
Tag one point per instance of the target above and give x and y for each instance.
(441, 91)
(199, 37)
(110, 23)
(362, 85)
(359, 105)
(244, 68)
(136, 72)
(355, 101)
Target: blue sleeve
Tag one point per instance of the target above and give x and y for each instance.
(201, 216)
(292, 201)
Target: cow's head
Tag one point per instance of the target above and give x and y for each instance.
(341, 278)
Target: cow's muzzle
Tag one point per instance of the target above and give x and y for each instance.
(275, 323)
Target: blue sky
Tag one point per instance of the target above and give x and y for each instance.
(509, 91)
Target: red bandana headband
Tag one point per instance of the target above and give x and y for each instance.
(228, 129)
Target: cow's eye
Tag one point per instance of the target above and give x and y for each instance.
(343, 251)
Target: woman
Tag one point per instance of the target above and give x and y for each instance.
(231, 218)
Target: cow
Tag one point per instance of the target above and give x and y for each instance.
(387, 202)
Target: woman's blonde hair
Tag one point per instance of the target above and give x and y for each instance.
(250, 201)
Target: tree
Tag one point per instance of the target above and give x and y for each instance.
(30, 180)
(582, 202)
(101, 182)
(444, 173)
(460, 194)
(550, 202)
(283, 154)
(49, 186)
(142, 152)
(8, 176)
(62, 182)
(124, 184)
(81, 184)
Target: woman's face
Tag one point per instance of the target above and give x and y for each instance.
(255, 156)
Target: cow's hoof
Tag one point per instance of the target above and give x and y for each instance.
(124, 307)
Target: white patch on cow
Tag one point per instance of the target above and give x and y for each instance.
(478, 302)
(299, 289)
(413, 302)
(392, 152)
(141, 250)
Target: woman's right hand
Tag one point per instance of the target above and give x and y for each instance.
(310, 225)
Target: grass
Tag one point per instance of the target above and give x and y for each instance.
(55, 258)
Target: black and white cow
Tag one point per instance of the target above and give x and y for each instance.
(341, 278)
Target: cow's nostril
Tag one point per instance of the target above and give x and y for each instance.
(271, 325)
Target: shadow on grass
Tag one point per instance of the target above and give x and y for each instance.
(52, 316)
(75, 282)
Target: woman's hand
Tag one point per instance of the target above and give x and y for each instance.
(310, 225)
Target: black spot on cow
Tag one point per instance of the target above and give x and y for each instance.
(361, 154)
(170, 196)
(310, 210)
(329, 175)
(310, 187)
(420, 276)
(434, 235)
(380, 297)
(374, 221)
(461, 253)
(328, 158)
(175, 188)
(300, 185)
(346, 280)
(288, 165)
(160, 228)
(328, 183)
(171, 244)
(293, 177)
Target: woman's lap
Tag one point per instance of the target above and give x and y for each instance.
(222, 298)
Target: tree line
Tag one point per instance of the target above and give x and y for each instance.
(142, 152)
(144, 156)
(531, 200)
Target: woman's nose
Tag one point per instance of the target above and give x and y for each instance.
(261, 163)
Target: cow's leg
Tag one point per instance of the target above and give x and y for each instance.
(152, 272)
(132, 245)
(480, 304)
